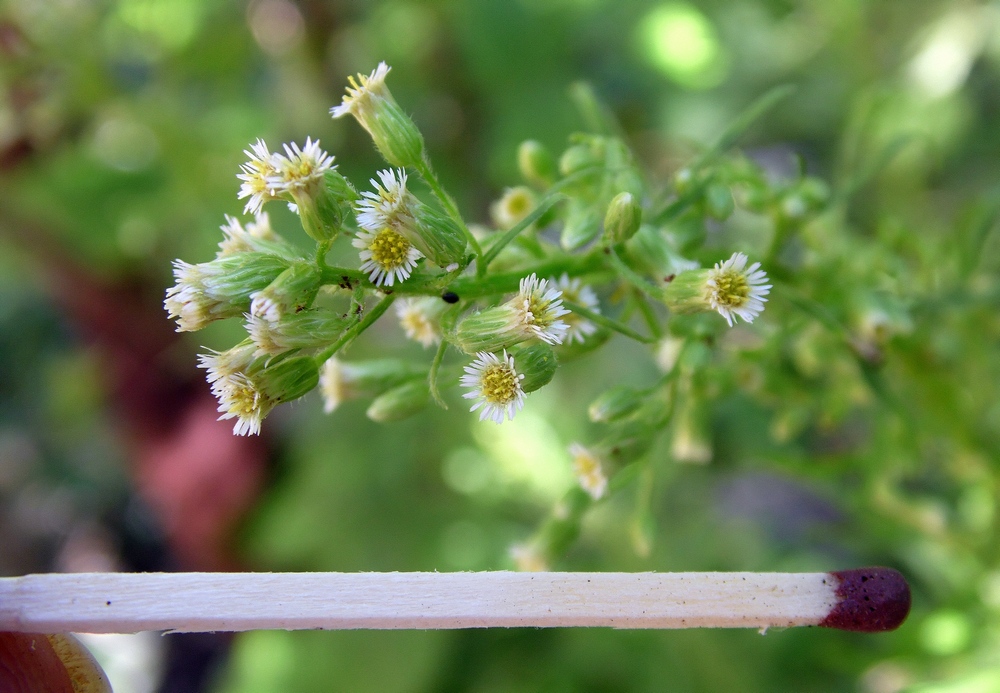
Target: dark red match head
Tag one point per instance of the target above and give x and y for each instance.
(870, 600)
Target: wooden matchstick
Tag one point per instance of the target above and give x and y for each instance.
(869, 600)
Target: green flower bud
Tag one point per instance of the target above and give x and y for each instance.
(616, 403)
(394, 133)
(579, 157)
(437, 236)
(492, 329)
(623, 218)
(582, 226)
(687, 293)
(536, 164)
(538, 363)
(719, 201)
(219, 289)
(400, 402)
(304, 330)
(286, 380)
(342, 381)
(324, 208)
(291, 291)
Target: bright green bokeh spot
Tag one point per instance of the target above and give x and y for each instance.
(680, 41)
(945, 632)
(172, 22)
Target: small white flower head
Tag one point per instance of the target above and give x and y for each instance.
(735, 290)
(240, 399)
(240, 239)
(539, 310)
(528, 559)
(390, 206)
(223, 364)
(299, 168)
(588, 470)
(495, 385)
(360, 93)
(387, 256)
(263, 305)
(577, 292)
(186, 300)
(256, 172)
(336, 383)
(513, 206)
(420, 318)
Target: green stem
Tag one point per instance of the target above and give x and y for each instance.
(648, 315)
(432, 376)
(633, 277)
(506, 282)
(367, 321)
(512, 233)
(607, 322)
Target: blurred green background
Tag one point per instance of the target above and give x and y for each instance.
(122, 126)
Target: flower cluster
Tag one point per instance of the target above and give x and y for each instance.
(575, 255)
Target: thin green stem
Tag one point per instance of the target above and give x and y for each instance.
(432, 376)
(607, 322)
(633, 277)
(367, 321)
(647, 314)
(512, 233)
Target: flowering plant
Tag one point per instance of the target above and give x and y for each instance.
(584, 246)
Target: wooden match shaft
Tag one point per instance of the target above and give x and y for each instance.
(870, 599)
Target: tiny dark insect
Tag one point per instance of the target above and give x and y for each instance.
(449, 297)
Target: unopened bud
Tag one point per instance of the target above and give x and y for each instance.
(623, 218)
(719, 201)
(581, 227)
(536, 163)
(581, 156)
(538, 363)
(303, 330)
(436, 236)
(342, 381)
(616, 403)
(400, 402)
(286, 380)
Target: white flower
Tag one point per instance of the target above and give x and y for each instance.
(539, 310)
(390, 206)
(496, 386)
(361, 91)
(256, 173)
(240, 239)
(240, 399)
(575, 291)
(299, 168)
(735, 290)
(332, 385)
(513, 206)
(588, 471)
(387, 256)
(223, 364)
(420, 318)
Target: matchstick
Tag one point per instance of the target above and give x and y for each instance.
(869, 600)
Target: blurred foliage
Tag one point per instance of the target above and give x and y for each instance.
(859, 422)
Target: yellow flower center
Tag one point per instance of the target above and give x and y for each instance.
(538, 310)
(731, 288)
(499, 384)
(389, 249)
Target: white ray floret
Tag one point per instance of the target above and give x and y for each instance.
(391, 205)
(574, 290)
(539, 310)
(256, 172)
(299, 167)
